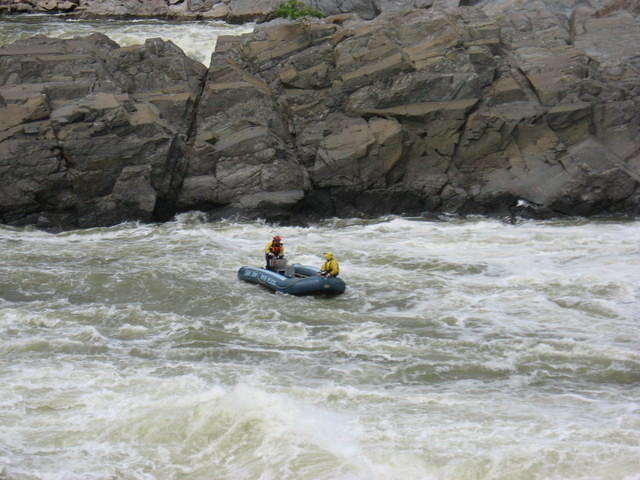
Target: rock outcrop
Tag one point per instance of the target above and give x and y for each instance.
(491, 109)
(91, 133)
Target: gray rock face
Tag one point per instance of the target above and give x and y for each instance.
(91, 133)
(442, 110)
(492, 110)
(369, 9)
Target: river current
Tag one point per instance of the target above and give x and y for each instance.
(197, 39)
(462, 349)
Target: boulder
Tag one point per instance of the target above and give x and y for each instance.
(241, 146)
(87, 137)
(480, 115)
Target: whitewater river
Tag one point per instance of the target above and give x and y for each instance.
(461, 350)
(197, 39)
(465, 349)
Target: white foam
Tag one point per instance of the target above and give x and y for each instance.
(197, 38)
(465, 349)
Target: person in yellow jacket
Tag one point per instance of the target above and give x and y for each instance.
(330, 267)
(274, 249)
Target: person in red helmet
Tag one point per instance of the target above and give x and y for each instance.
(274, 249)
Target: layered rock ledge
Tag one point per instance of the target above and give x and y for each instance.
(490, 110)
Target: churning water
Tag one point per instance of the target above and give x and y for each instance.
(197, 39)
(465, 349)
(460, 350)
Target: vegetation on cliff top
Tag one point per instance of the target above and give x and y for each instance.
(296, 9)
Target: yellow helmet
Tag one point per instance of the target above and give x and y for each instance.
(328, 255)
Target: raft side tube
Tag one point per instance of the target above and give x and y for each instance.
(305, 282)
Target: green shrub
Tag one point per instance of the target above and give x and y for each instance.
(296, 9)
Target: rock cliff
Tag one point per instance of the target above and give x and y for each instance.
(91, 133)
(506, 107)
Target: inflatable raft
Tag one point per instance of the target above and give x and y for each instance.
(293, 279)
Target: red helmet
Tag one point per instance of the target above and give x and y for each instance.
(277, 238)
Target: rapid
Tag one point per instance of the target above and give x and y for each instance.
(197, 39)
(462, 349)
